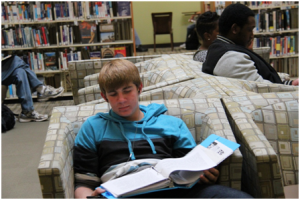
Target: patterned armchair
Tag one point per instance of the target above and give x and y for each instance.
(268, 124)
(202, 116)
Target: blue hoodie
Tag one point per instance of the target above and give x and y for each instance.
(107, 139)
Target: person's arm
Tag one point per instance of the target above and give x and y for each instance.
(238, 65)
(194, 15)
(184, 142)
(85, 162)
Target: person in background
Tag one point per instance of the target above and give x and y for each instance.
(138, 43)
(207, 28)
(133, 134)
(16, 71)
(190, 28)
(230, 55)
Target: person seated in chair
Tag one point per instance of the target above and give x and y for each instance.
(133, 132)
(229, 55)
(16, 71)
(207, 29)
(138, 43)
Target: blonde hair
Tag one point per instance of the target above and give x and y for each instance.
(116, 73)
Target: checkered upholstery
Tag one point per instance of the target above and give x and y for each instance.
(263, 118)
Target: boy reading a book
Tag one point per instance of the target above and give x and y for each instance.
(134, 134)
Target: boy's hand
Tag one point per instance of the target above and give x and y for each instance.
(97, 191)
(295, 82)
(210, 176)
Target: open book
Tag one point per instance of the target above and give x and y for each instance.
(172, 173)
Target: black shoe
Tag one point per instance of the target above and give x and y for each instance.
(141, 49)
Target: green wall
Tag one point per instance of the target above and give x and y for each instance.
(143, 23)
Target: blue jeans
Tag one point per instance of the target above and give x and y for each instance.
(190, 28)
(199, 191)
(25, 80)
(137, 39)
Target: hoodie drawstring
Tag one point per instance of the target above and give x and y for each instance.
(128, 141)
(132, 157)
(148, 139)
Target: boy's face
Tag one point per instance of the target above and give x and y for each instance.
(124, 101)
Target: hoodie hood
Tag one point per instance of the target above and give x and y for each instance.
(151, 112)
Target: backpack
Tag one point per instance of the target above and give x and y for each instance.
(192, 42)
(8, 119)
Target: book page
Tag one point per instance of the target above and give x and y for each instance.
(132, 182)
(188, 168)
(195, 160)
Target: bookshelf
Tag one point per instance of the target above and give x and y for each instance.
(277, 27)
(33, 29)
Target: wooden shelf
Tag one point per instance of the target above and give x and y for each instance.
(64, 20)
(119, 42)
(277, 32)
(51, 72)
(65, 94)
(274, 7)
(285, 56)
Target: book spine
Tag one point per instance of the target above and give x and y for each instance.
(61, 58)
(285, 45)
(32, 61)
(100, 9)
(271, 25)
(87, 10)
(281, 46)
(40, 37)
(11, 37)
(80, 9)
(61, 10)
(14, 37)
(277, 46)
(61, 35)
(10, 15)
(267, 22)
(42, 10)
(42, 62)
(28, 12)
(71, 13)
(110, 9)
(289, 45)
(23, 36)
(47, 38)
(50, 11)
(44, 36)
(56, 11)
(71, 34)
(79, 55)
(67, 10)
(288, 20)
(3, 18)
(57, 39)
(96, 9)
(274, 20)
(59, 64)
(6, 12)
(71, 56)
